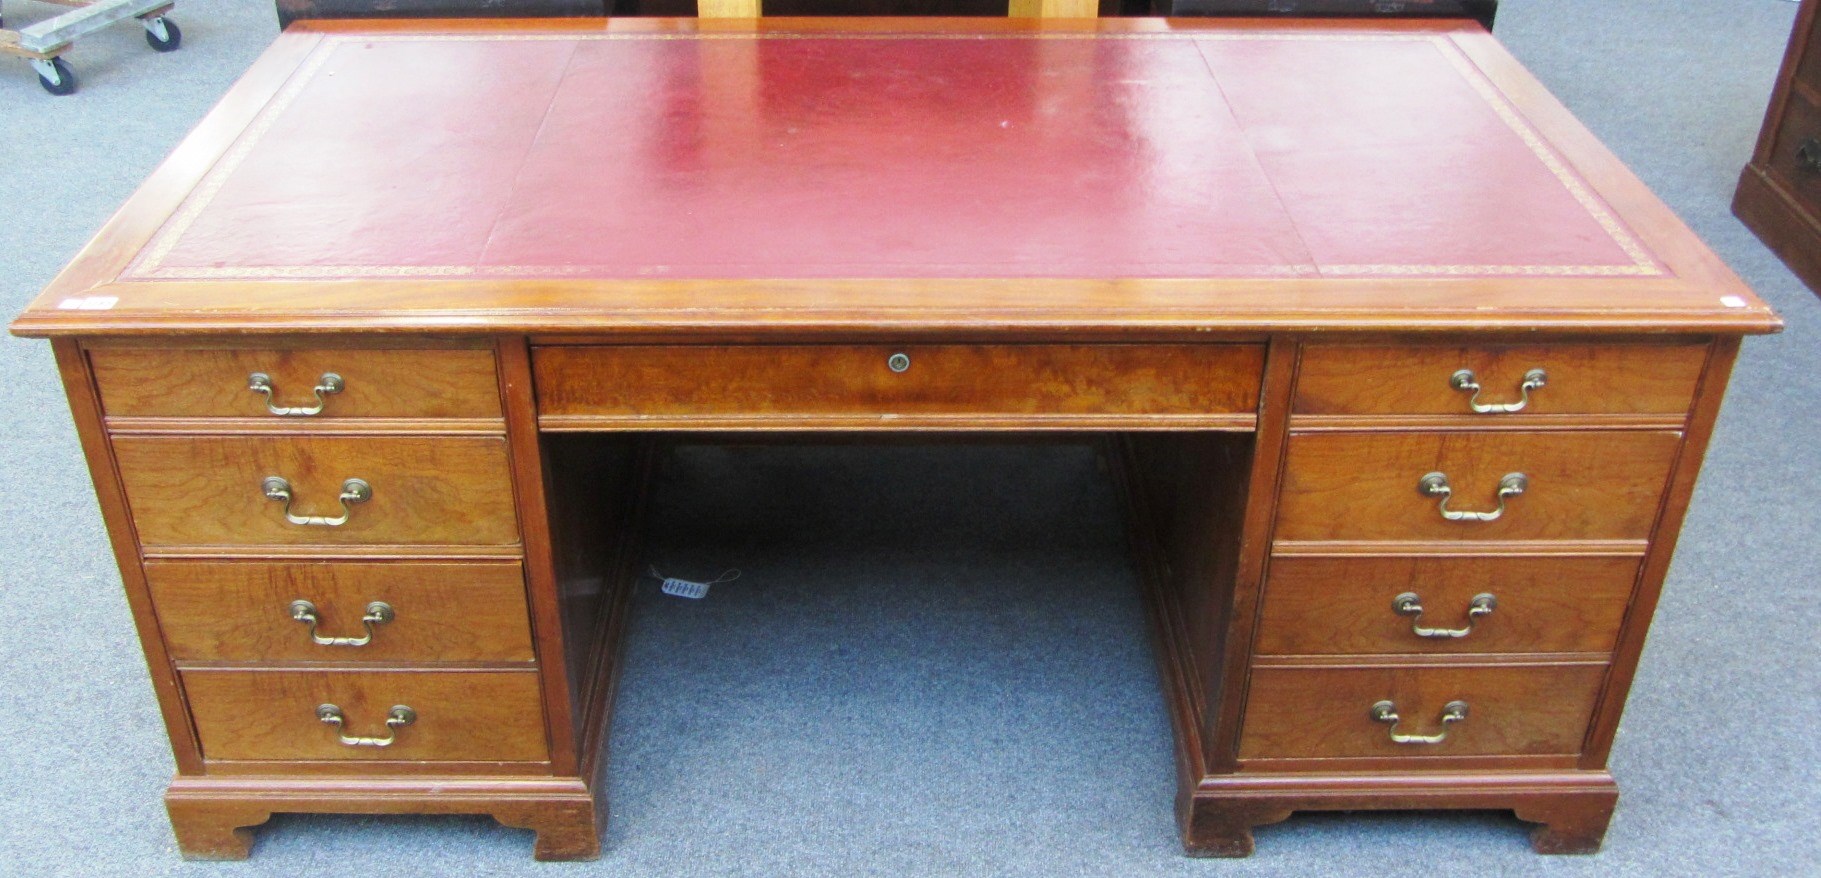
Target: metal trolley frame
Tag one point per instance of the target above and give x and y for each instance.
(44, 43)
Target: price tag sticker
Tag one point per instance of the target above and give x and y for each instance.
(689, 588)
(683, 588)
(88, 303)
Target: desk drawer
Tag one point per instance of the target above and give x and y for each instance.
(213, 490)
(1589, 485)
(355, 382)
(433, 612)
(874, 383)
(1294, 713)
(1800, 125)
(1504, 604)
(456, 716)
(1341, 379)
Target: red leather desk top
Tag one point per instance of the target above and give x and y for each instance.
(652, 155)
(1113, 151)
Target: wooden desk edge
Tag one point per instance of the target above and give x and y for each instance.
(1689, 299)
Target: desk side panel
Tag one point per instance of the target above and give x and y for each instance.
(583, 497)
(1201, 507)
(1699, 432)
(531, 483)
(1187, 496)
(85, 407)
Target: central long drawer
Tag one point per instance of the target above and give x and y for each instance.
(798, 386)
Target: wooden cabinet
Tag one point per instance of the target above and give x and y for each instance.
(293, 10)
(1483, 11)
(1779, 194)
(328, 538)
(1458, 584)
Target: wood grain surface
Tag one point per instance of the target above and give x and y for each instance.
(491, 716)
(1801, 123)
(205, 490)
(1594, 485)
(1777, 195)
(177, 382)
(1337, 606)
(593, 386)
(238, 611)
(1512, 710)
(1582, 379)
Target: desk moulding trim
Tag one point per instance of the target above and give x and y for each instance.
(1470, 548)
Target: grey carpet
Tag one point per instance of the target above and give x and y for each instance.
(934, 663)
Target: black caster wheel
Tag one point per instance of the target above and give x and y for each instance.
(162, 34)
(58, 79)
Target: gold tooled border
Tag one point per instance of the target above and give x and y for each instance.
(150, 264)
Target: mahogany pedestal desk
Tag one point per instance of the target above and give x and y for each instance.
(1406, 378)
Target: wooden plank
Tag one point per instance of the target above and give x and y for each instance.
(729, 8)
(1054, 9)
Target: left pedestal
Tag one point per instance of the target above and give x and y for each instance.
(339, 560)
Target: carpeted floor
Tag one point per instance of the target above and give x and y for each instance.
(935, 660)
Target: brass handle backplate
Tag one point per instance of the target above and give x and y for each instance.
(352, 491)
(329, 383)
(1409, 604)
(1386, 712)
(1436, 485)
(397, 718)
(1466, 382)
(378, 613)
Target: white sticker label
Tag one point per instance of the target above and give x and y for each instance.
(689, 588)
(88, 303)
(1732, 301)
(683, 588)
